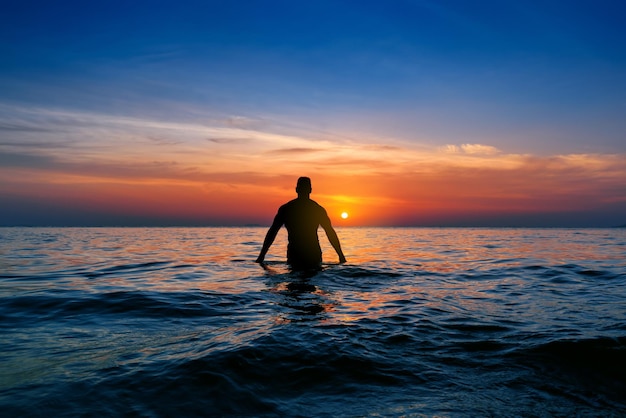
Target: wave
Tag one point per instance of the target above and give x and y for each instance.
(339, 373)
(125, 304)
(599, 356)
(501, 325)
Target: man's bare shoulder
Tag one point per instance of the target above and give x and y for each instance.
(288, 204)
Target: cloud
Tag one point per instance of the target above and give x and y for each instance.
(164, 141)
(13, 159)
(26, 144)
(294, 151)
(471, 149)
(450, 149)
(17, 127)
(382, 147)
(479, 149)
(243, 122)
(82, 153)
(229, 140)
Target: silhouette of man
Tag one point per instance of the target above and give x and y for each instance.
(302, 217)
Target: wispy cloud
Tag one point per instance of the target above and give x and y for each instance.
(401, 181)
(33, 161)
(229, 140)
(294, 151)
(17, 127)
(244, 122)
(474, 149)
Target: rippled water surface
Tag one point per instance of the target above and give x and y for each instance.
(420, 322)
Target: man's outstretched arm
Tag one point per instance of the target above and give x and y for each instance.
(269, 238)
(334, 239)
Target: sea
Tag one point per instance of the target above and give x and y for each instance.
(420, 322)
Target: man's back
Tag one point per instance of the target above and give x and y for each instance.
(302, 217)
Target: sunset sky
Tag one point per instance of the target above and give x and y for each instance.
(421, 113)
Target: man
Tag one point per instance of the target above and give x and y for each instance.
(302, 217)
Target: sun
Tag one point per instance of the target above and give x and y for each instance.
(344, 215)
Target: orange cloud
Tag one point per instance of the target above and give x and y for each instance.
(170, 170)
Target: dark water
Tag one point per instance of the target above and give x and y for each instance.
(420, 322)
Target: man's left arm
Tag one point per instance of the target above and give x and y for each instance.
(332, 237)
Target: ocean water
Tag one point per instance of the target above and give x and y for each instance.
(180, 322)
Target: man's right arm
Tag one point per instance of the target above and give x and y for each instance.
(270, 236)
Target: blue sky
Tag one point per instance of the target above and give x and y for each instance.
(542, 79)
(549, 74)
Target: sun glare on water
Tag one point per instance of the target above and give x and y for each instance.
(344, 215)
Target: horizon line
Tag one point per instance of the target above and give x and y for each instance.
(336, 226)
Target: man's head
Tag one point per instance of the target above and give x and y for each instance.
(303, 188)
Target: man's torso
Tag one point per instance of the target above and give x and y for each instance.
(302, 217)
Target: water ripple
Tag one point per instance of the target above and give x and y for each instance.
(424, 322)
